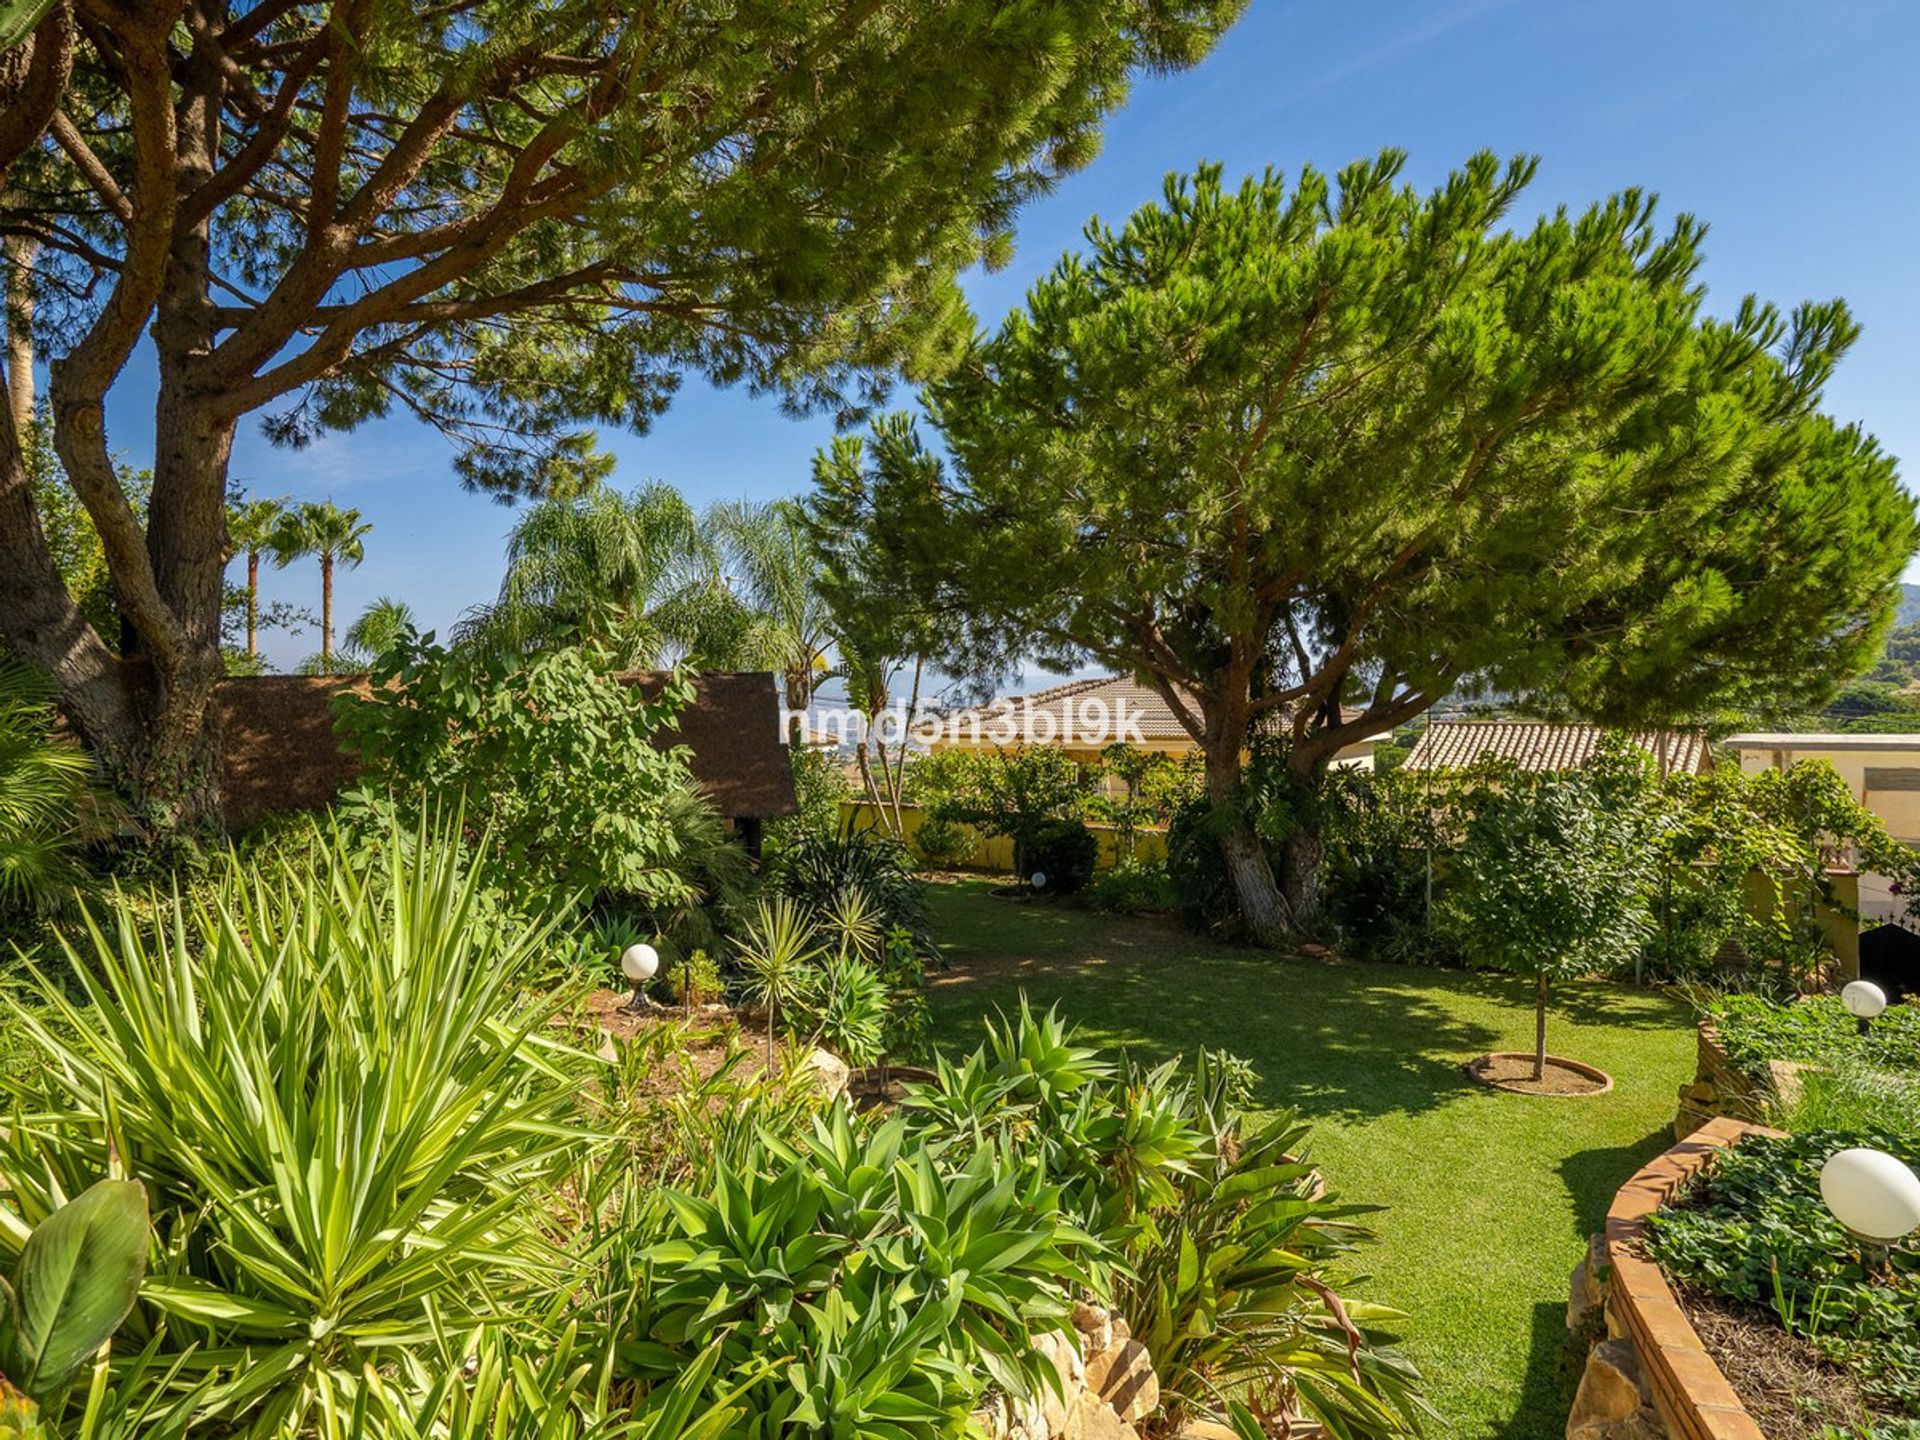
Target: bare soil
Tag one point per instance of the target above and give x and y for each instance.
(1515, 1073)
(1791, 1390)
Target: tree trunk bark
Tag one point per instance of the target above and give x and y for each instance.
(187, 539)
(1540, 1028)
(1301, 858)
(1263, 909)
(20, 255)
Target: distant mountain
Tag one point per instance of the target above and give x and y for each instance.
(1909, 605)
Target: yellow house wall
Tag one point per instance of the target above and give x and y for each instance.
(994, 854)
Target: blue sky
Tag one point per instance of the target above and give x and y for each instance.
(1793, 129)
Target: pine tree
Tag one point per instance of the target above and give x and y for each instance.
(1309, 458)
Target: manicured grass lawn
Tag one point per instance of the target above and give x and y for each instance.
(1492, 1196)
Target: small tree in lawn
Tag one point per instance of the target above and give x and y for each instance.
(1552, 881)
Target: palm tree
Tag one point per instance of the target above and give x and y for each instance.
(251, 528)
(322, 529)
(773, 566)
(381, 626)
(625, 571)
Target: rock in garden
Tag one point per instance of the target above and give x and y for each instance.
(1124, 1378)
(1611, 1392)
(830, 1073)
(1094, 1419)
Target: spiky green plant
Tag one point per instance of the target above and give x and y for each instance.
(778, 951)
(346, 1107)
(48, 805)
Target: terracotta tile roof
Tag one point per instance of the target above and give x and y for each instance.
(1457, 744)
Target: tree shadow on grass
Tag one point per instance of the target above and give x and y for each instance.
(1582, 1002)
(1552, 1375)
(1341, 1040)
(1593, 1176)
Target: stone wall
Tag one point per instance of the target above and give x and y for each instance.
(1721, 1090)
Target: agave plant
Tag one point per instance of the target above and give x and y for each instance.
(879, 1289)
(345, 1107)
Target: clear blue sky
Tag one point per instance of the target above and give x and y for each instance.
(1793, 129)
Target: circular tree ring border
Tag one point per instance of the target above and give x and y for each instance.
(1578, 1067)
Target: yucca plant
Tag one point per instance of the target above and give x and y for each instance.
(778, 952)
(346, 1108)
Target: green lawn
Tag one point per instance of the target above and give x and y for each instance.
(1492, 1195)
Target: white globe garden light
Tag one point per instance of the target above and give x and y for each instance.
(1038, 879)
(1864, 1001)
(1874, 1195)
(639, 963)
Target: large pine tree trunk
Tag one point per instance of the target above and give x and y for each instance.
(187, 539)
(1263, 909)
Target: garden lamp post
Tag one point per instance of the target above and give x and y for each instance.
(1864, 1001)
(639, 963)
(1875, 1196)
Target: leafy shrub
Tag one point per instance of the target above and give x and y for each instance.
(1226, 1259)
(944, 841)
(552, 757)
(1817, 1030)
(1202, 890)
(1132, 887)
(1753, 1229)
(338, 1091)
(821, 789)
(694, 979)
(1003, 791)
(1376, 878)
(1065, 851)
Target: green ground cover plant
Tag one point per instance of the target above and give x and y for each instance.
(1815, 1030)
(1753, 1229)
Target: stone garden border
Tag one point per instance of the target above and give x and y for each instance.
(1694, 1399)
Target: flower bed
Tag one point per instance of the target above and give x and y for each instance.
(1749, 1236)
